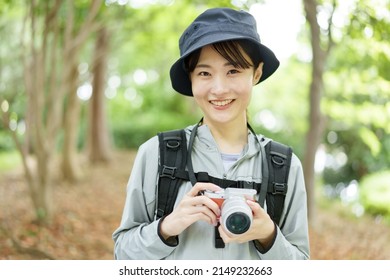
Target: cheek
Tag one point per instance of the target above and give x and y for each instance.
(194, 85)
(198, 89)
(246, 92)
(245, 87)
(197, 99)
(199, 95)
(195, 90)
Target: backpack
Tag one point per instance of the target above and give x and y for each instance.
(172, 173)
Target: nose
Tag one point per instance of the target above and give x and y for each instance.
(219, 85)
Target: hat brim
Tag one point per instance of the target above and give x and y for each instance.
(180, 78)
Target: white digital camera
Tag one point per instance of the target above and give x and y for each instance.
(236, 215)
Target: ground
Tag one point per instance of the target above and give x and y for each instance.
(88, 212)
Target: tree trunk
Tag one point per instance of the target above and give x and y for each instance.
(71, 170)
(41, 193)
(73, 41)
(316, 118)
(99, 144)
(37, 170)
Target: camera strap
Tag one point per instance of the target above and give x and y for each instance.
(202, 177)
(218, 241)
(190, 168)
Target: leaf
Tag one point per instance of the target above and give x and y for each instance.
(371, 140)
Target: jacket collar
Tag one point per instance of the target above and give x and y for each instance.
(205, 140)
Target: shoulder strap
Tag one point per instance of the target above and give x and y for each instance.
(172, 172)
(278, 162)
(173, 156)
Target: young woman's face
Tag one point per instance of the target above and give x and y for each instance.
(222, 91)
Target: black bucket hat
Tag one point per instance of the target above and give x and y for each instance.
(217, 25)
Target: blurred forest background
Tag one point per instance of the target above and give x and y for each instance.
(84, 82)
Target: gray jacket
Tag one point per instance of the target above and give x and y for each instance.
(137, 236)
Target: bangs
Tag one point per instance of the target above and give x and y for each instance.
(232, 51)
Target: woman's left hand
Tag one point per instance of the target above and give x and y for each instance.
(262, 228)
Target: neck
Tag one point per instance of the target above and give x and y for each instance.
(231, 138)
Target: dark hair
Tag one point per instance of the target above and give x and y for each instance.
(231, 51)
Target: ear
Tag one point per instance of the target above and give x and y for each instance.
(258, 73)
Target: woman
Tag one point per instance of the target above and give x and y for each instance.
(222, 58)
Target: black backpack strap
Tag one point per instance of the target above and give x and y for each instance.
(279, 160)
(173, 157)
(172, 172)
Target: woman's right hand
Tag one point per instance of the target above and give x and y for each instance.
(192, 208)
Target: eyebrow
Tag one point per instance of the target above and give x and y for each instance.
(209, 66)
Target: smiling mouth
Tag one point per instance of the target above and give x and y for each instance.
(221, 103)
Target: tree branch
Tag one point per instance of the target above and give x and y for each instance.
(89, 26)
(330, 23)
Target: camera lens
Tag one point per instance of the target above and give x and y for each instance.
(236, 215)
(238, 223)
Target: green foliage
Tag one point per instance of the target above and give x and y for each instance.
(375, 193)
(6, 142)
(279, 108)
(139, 115)
(134, 131)
(357, 95)
(9, 160)
(363, 157)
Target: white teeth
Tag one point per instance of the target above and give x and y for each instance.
(221, 102)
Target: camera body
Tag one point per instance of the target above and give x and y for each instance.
(236, 215)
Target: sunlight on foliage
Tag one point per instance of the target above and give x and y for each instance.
(375, 192)
(9, 160)
(371, 140)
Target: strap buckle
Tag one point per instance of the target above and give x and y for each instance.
(169, 172)
(279, 189)
(245, 185)
(160, 212)
(278, 159)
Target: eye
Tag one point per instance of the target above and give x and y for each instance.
(233, 71)
(203, 73)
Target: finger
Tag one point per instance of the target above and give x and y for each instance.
(207, 202)
(256, 208)
(186, 214)
(228, 237)
(208, 216)
(194, 213)
(224, 234)
(253, 205)
(198, 187)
